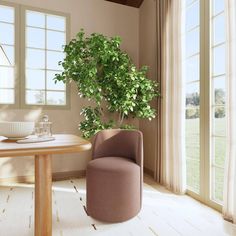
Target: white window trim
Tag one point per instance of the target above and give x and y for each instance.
(20, 103)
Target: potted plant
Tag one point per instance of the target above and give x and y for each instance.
(106, 75)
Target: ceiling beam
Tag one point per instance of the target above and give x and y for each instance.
(131, 3)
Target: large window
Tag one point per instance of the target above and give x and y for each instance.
(7, 55)
(204, 42)
(40, 47)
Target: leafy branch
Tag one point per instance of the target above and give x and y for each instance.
(106, 75)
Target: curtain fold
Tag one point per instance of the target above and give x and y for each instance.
(229, 198)
(172, 165)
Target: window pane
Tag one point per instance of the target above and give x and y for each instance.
(220, 112)
(35, 79)
(218, 181)
(192, 95)
(56, 22)
(192, 123)
(55, 44)
(56, 98)
(193, 175)
(219, 151)
(192, 16)
(6, 77)
(218, 6)
(219, 60)
(9, 58)
(219, 90)
(188, 2)
(192, 146)
(35, 38)
(35, 58)
(36, 19)
(192, 69)
(35, 97)
(52, 60)
(6, 14)
(192, 42)
(7, 96)
(219, 35)
(219, 121)
(192, 113)
(8, 36)
(51, 83)
(3, 58)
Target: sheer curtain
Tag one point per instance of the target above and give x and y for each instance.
(229, 203)
(173, 173)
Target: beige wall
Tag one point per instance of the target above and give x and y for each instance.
(147, 56)
(94, 16)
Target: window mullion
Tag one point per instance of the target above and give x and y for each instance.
(205, 99)
(22, 56)
(45, 72)
(17, 56)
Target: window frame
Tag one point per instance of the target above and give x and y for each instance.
(206, 101)
(20, 46)
(16, 104)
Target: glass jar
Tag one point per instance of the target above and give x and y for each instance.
(45, 127)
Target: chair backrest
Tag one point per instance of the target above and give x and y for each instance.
(119, 143)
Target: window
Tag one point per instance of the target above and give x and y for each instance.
(191, 68)
(204, 40)
(7, 55)
(42, 37)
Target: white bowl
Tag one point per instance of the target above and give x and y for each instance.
(16, 130)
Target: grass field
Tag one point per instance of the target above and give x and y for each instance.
(217, 156)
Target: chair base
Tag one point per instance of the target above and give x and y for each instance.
(113, 189)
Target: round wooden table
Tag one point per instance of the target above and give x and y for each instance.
(63, 143)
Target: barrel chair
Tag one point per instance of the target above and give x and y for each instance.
(114, 176)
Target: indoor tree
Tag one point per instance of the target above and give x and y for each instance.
(107, 76)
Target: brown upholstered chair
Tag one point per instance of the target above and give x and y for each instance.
(115, 175)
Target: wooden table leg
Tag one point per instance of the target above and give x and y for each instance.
(43, 196)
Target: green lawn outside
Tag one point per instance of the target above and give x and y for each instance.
(193, 155)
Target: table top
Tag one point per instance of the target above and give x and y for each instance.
(63, 143)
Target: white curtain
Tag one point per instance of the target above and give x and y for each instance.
(229, 203)
(173, 166)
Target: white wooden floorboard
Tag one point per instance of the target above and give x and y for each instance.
(163, 214)
(18, 216)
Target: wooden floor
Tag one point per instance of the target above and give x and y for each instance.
(163, 213)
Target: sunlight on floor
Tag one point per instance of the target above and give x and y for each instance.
(163, 213)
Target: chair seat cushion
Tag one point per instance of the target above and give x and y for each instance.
(113, 189)
(114, 164)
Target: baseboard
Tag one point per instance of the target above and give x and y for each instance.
(148, 172)
(18, 179)
(57, 176)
